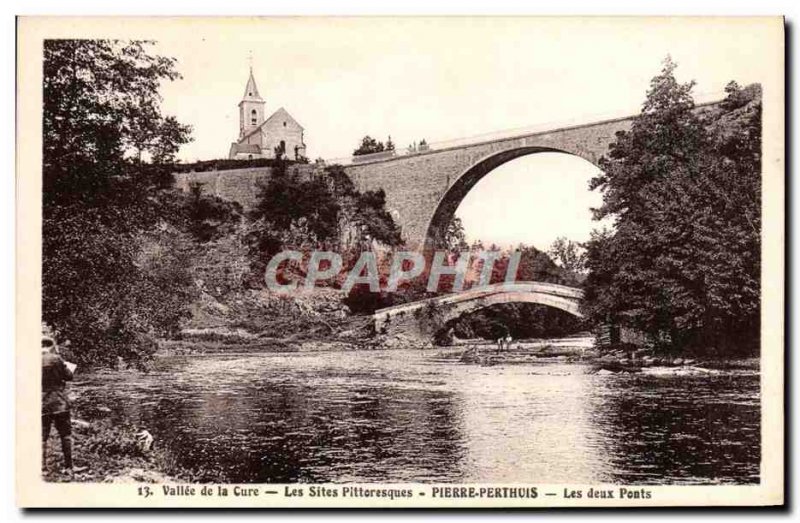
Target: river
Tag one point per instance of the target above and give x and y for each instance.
(410, 416)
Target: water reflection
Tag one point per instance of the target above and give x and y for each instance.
(690, 430)
(530, 424)
(396, 416)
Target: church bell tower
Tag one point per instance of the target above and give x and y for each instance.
(251, 108)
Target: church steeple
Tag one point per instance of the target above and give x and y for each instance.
(262, 137)
(251, 90)
(251, 108)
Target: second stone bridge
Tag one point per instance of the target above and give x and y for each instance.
(423, 319)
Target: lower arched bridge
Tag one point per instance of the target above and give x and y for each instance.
(422, 319)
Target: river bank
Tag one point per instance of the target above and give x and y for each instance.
(107, 447)
(580, 347)
(105, 450)
(602, 360)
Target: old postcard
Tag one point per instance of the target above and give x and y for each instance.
(400, 262)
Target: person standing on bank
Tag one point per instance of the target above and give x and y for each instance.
(55, 402)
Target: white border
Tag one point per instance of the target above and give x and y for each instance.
(143, 7)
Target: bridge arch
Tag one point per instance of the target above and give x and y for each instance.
(466, 181)
(422, 318)
(468, 307)
(420, 185)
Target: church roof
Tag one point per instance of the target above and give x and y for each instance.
(281, 114)
(251, 90)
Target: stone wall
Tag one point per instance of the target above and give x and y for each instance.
(238, 185)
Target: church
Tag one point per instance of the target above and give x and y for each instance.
(262, 138)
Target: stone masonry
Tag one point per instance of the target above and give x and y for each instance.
(422, 319)
(238, 185)
(423, 190)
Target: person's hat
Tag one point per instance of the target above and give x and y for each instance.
(48, 342)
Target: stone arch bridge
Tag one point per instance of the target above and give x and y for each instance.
(422, 319)
(424, 189)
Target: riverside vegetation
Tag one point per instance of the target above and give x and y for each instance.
(132, 266)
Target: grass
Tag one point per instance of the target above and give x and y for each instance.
(107, 451)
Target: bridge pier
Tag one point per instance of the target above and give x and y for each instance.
(403, 324)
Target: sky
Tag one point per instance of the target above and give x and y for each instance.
(534, 200)
(449, 78)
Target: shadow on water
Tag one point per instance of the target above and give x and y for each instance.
(687, 430)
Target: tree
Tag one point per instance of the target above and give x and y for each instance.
(682, 262)
(287, 200)
(389, 144)
(373, 219)
(101, 116)
(209, 217)
(455, 239)
(571, 257)
(309, 213)
(567, 254)
(290, 212)
(369, 145)
(107, 151)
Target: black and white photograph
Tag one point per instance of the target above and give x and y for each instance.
(400, 261)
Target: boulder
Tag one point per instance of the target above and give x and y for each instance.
(79, 423)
